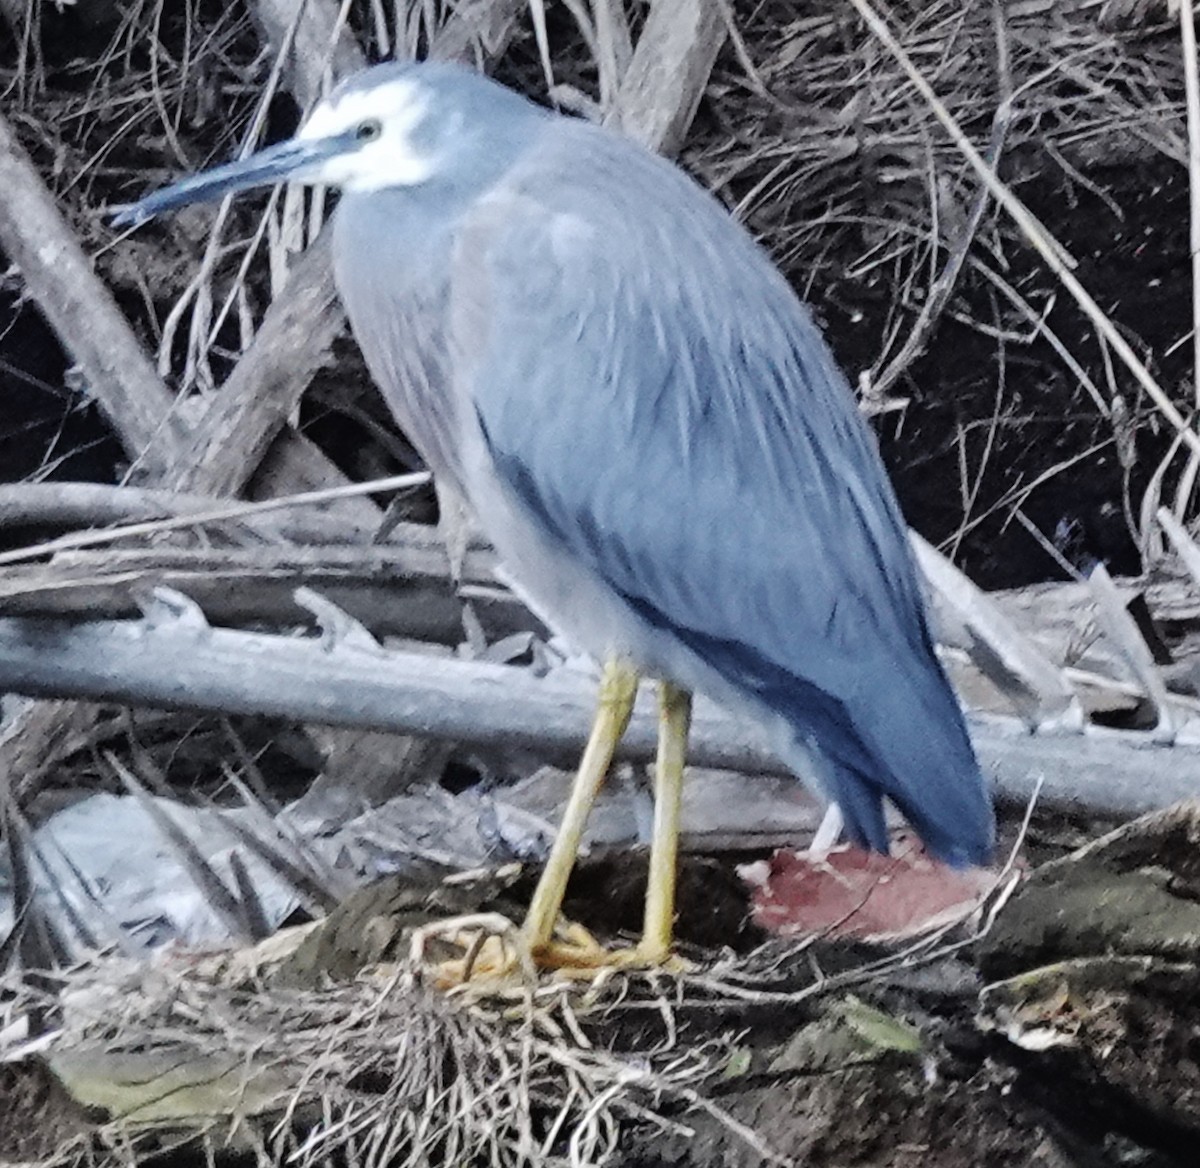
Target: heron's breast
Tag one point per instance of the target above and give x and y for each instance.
(394, 282)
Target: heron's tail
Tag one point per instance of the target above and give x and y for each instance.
(902, 735)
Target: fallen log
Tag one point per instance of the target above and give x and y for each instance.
(173, 659)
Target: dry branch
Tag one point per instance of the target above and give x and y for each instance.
(669, 72)
(59, 276)
(173, 659)
(78, 506)
(293, 343)
(394, 590)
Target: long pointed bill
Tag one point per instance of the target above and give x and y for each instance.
(293, 159)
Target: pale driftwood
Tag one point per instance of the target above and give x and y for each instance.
(82, 311)
(257, 587)
(1013, 663)
(1125, 635)
(294, 342)
(398, 590)
(96, 505)
(402, 587)
(89, 504)
(175, 660)
(223, 511)
(669, 71)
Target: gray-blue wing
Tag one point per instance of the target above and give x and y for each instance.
(664, 407)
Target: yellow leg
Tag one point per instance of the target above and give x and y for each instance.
(674, 719)
(618, 688)
(496, 950)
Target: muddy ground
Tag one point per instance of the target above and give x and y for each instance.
(1061, 1035)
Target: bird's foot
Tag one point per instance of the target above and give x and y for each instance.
(496, 954)
(590, 966)
(493, 951)
(491, 947)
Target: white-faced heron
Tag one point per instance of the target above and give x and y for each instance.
(650, 429)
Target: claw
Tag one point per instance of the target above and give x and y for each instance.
(493, 948)
(496, 953)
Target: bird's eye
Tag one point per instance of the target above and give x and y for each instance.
(369, 130)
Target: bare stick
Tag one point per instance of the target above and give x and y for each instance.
(175, 660)
(669, 71)
(218, 514)
(80, 308)
(84, 505)
(396, 590)
(294, 342)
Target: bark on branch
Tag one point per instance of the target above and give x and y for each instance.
(174, 659)
(81, 310)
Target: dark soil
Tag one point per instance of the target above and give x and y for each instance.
(893, 1071)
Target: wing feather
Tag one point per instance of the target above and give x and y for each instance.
(665, 407)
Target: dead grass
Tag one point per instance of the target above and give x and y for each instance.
(384, 1072)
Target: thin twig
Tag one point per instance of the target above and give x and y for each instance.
(84, 539)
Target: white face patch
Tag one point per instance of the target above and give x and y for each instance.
(392, 111)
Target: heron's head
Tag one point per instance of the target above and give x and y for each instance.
(392, 126)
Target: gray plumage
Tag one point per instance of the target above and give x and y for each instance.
(655, 436)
